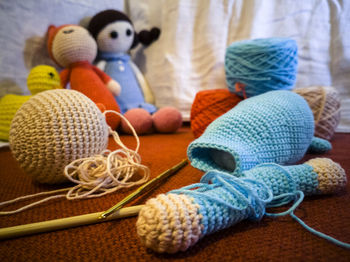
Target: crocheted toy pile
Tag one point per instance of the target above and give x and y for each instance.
(275, 127)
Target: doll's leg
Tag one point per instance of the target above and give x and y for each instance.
(140, 119)
(167, 120)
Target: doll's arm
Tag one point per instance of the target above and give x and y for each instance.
(64, 76)
(111, 84)
(101, 65)
(114, 87)
(146, 90)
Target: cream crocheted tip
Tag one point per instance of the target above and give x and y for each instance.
(169, 223)
(54, 128)
(331, 176)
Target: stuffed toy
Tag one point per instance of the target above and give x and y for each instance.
(177, 220)
(40, 78)
(72, 47)
(274, 127)
(53, 129)
(115, 36)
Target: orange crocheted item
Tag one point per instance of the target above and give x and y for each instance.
(73, 48)
(91, 81)
(209, 105)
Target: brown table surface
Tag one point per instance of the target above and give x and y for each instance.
(279, 239)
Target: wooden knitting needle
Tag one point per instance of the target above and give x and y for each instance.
(114, 212)
(63, 223)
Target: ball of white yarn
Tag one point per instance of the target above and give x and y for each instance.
(54, 128)
(324, 102)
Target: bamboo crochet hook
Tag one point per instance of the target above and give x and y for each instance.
(146, 187)
(113, 213)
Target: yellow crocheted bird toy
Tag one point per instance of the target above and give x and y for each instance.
(40, 78)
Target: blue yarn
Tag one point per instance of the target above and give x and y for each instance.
(298, 196)
(225, 200)
(318, 233)
(261, 65)
(228, 200)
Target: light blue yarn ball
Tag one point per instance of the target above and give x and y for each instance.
(262, 65)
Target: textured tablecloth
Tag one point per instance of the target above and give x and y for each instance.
(280, 239)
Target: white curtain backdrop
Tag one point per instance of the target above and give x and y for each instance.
(189, 56)
(23, 26)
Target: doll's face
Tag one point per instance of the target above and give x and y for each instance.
(73, 44)
(116, 37)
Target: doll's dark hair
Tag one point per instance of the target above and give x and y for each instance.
(102, 19)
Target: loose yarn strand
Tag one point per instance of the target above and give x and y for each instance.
(298, 197)
(115, 169)
(97, 175)
(5, 203)
(318, 233)
(30, 205)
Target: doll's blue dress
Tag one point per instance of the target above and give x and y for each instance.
(131, 96)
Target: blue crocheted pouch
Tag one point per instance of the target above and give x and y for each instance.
(274, 127)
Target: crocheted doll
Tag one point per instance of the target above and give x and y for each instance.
(177, 220)
(72, 47)
(275, 127)
(115, 36)
(40, 78)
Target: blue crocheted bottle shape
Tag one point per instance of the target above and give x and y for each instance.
(131, 95)
(275, 127)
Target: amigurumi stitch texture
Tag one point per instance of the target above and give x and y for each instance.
(177, 220)
(276, 127)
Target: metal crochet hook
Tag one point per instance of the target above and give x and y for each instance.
(149, 185)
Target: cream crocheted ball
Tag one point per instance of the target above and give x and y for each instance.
(53, 129)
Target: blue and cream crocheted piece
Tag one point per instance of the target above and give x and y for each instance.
(274, 127)
(225, 200)
(131, 96)
(177, 220)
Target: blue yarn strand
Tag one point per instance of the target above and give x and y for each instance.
(320, 234)
(298, 196)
